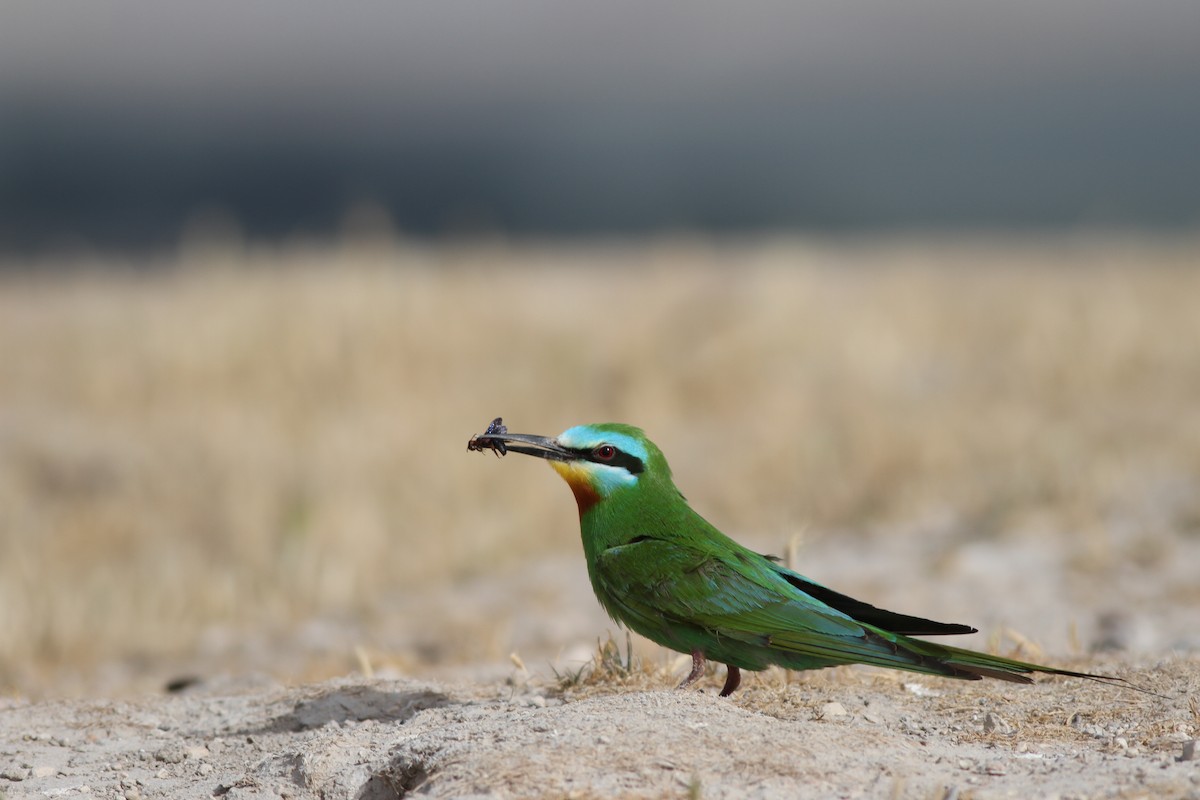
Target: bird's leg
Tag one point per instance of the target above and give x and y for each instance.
(698, 662)
(733, 677)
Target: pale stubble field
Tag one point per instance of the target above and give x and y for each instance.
(253, 459)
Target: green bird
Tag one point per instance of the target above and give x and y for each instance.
(664, 571)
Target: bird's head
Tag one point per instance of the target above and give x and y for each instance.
(597, 461)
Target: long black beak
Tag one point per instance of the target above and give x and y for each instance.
(529, 444)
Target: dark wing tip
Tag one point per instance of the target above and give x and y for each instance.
(868, 614)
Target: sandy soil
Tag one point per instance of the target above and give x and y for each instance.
(857, 735)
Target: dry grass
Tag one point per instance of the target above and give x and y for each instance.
(252, 438)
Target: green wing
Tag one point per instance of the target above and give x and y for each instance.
(736, 607)
(740, 608)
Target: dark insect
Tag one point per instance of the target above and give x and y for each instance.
(484, 441)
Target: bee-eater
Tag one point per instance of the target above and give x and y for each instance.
(661, 569)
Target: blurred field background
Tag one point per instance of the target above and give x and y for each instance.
(254, 458)
(906, 292)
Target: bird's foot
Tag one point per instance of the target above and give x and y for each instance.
(698, 662)
(733, 677)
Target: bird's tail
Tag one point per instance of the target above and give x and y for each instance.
(958, 662)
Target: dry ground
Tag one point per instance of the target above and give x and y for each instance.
(253, 461)
(845, 736)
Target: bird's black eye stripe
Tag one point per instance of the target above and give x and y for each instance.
(621, 459)
(629, 462)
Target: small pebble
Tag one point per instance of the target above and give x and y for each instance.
(1189, 751)
(833, 709)
(14, 774)
(133, 794)
(994, 723)
(44, 771)
(171, 755)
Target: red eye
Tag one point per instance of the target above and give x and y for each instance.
(605, 452)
